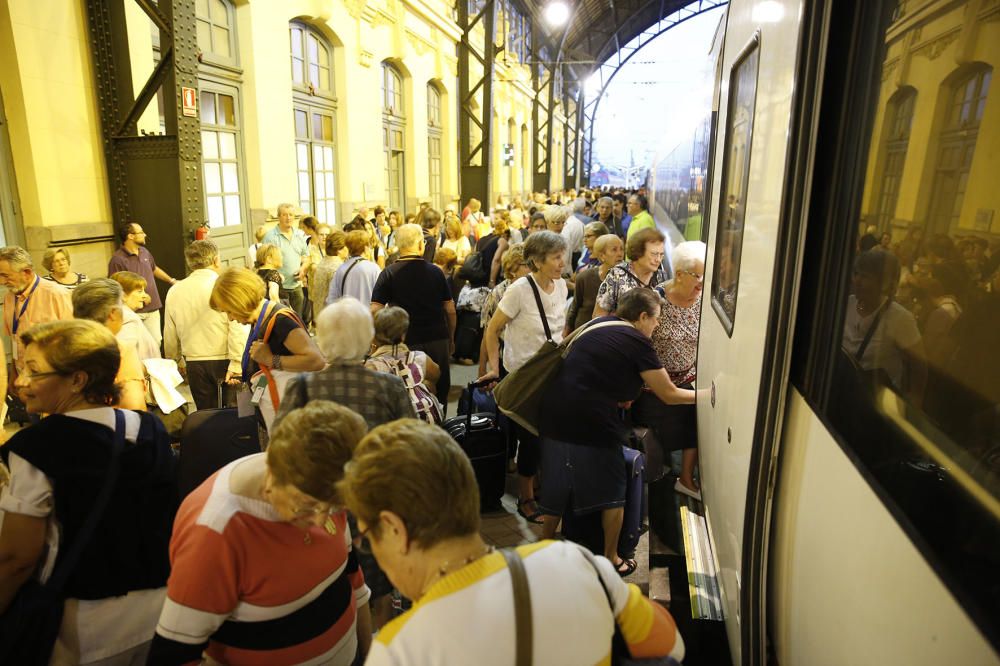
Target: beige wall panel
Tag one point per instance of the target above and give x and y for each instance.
(47, 79)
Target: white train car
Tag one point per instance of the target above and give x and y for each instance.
(850, 487)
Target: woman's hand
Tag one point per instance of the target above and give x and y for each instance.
(261, 353)
(491, 377)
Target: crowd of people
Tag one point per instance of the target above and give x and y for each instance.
(344, 338)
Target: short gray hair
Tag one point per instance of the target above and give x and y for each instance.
(285, 206)
(408, 236)
(344, 330)
(597, 228)
(391, 324)
(556, 214)
(687, 255)
(578, 205)
(17, 257)
(540, 245)
(97, 299)
(201, 254)
(605, 200)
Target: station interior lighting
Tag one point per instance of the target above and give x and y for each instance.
(557, 13)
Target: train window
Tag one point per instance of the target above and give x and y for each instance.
(735, 178)
(914, 395)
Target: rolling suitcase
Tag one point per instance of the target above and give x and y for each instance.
(484, 443)
(586, 529)
(210, 439)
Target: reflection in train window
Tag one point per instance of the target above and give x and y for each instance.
(916, 391)
(735, 177)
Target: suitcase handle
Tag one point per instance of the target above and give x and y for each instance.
(472, 406)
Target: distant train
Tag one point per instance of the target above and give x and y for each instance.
(849, 404)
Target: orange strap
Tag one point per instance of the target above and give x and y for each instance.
(272, 388)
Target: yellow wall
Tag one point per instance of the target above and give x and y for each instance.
(926, 47)
(47, 80)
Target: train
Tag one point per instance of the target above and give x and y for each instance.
(848, 411)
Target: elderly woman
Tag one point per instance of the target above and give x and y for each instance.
(453, 238)
(333, 259)
(513, 268)
(278, 344)
(675, 339)
(582, 462)
(879, 333)
(591, 232)
(389, 354)
(56, 262)
(608, 249)
(101, 300)
(526, 327)
(59, 468)
(344, 332)
(414, 494)
(644, 251)
(262, 566)
(133, 330)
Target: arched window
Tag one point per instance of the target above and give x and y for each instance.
(896, 139)
(216, 20)
(312, 60)
(393, 135)
(434, 130)
(966, 99)
(314, 109)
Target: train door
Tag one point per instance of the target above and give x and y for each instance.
(756, 86)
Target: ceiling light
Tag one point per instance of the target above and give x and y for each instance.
(556, 13)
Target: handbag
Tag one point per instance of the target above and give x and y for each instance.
(519, 394)
(523, 622)
(474, 269)
(30, 627)
(644, 439)
(276, 379)
(620, 654)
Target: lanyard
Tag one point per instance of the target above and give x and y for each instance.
(16, 320)
(251, 338)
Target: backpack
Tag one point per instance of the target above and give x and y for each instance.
(424, 402)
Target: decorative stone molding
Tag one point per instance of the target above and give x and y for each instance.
(935, 47)
(365, 57)
(420, 45)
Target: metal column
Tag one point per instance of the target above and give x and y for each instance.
(571, 138)
(154, 180)
(543, 84)
(477, 18)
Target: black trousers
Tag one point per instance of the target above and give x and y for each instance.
(440, 353)
(204, 378)
(295, 297)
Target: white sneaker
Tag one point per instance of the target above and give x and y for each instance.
(684, 490)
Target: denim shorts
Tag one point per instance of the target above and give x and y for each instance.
(581, 478)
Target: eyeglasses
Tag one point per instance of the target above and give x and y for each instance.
(657, 255)
(699, 278)
(316, 510)
(28, 375)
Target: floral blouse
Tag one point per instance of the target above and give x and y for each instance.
(619, 280)
(676, 340)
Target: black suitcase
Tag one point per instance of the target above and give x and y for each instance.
(210, 439)
(468, 335)
(484, 443)
(586, 529)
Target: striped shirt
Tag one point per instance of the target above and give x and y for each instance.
(467, 617)
(246, 588)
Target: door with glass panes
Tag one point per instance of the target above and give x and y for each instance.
(222, 172)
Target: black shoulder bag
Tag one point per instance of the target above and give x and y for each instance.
(30, 627)
(541, 310)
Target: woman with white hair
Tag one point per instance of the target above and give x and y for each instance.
(675, 339)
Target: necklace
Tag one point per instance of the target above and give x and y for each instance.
(445, 567)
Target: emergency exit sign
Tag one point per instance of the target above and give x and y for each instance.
(189, 102)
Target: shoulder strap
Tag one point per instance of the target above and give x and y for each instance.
(592, 327)
(68, 564)
(343, 280)
(618, 644)
(871, 331)
(541, 309)
(523, 621)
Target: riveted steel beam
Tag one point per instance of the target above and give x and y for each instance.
(477, 54)
(543, 80)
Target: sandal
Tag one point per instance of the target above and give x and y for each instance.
(629, 567)
(532, 517)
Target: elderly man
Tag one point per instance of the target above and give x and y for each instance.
(573, 232)
(420, 288)
(294, 257)
(606, 214)
(638, 208)
(210, 344)
(133, 256)
(29, 300)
